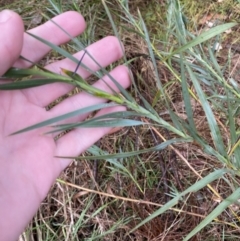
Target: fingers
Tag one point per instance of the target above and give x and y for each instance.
(79, 140)
(84, 99)
(105, 52)
(72, 22)
(11, 39)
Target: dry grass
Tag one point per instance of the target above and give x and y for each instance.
(69, 213)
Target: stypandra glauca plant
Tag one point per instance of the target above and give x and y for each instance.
(200, 77)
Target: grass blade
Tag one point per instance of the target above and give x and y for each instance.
(217, 211)
(132, 153)
(234, 139)
(215, 132)
(203, 37)
(36, 71)
(186, 97)
(122, 90)
(195, 187)
(99, 123)
(65, 116)
(113, 161)
(18, 85)
(55, 47)
(152, 56)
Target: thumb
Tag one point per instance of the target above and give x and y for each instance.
(11, 39)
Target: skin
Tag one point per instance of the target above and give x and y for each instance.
(28, 163)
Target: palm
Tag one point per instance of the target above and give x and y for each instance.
(31, 156)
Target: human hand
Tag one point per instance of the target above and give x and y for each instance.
(28, 166)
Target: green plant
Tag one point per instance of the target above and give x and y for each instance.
(193, 66)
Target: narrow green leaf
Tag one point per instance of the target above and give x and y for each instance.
(215, 132)
(65, 116)
(159, 120)
(234, 197)
(205, 181)
(55, 47)
(203, 37)
(186, 97)
(103, 121)
(131, 30)
(57, 6)
(178, 19)
(34, 71)
(30, 83)
(156, 98)
(177, 121)
(195, 187)
(233, 134)
(133, 153)
(121, 89)
(119, 114)
(215, 62)
(151, 53)
(99, 123)
(145, 102)
(206, 147)
(147, 105)
(117, 164)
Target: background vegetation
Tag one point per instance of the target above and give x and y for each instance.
(183, 181)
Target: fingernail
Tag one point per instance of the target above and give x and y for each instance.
(5, 15)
